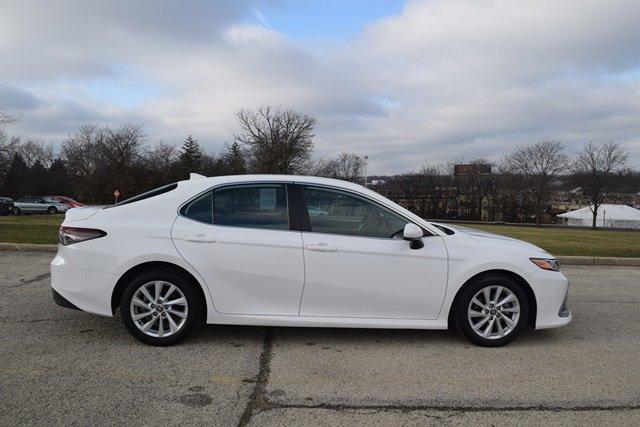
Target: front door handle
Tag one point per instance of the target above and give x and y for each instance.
(199, 238)
(321, 247)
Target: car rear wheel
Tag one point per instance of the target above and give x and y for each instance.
(160, 307)
(16, 210)
(52, 210)
(492, 311)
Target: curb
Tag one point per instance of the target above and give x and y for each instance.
(564, 260)
(27, 247)
(589, 260)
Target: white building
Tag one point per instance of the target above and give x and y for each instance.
(619, 216)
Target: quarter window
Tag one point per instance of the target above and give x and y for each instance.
(336, 212)
(255, 206)
(201, 209)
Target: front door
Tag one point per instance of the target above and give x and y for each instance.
(358, 265)
(239, 239)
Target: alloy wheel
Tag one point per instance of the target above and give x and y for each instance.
(159, 309)
(493, 312)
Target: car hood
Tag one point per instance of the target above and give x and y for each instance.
(497, 240)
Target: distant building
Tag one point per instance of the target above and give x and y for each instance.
(471, 170)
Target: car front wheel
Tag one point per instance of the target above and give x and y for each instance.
(492, 311)
(160, 307)
(52, 210)
(16, 210)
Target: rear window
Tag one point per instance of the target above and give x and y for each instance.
(148, 194)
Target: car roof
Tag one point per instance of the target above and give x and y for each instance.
(207, 182)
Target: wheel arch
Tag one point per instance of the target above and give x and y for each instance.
(531, 297)
(121, 284)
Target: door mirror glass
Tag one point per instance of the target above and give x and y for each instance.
(414, 234)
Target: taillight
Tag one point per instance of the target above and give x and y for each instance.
(70, 235)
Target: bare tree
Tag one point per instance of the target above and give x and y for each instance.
(595, 168)
(350, 167)
(539, 164)
(34, 151)
(7, 145)
(277, 140)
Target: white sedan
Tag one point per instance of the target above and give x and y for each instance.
(244, 250)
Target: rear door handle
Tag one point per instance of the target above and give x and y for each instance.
(199, 238)
(321, 247)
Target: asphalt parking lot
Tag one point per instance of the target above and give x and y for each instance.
(62, 366)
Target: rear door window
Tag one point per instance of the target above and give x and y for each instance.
(252, 206)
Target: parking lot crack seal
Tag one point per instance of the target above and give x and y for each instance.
(32, 280)
(257, 399)
(410, 408)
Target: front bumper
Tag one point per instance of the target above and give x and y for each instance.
(552, 293)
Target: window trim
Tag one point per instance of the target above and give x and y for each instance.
(286, 185)
(305, 212)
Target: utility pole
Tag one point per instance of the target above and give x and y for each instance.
(366, 169)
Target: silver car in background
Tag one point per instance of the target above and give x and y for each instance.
(28, 205)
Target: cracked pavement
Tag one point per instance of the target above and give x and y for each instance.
(60, 366)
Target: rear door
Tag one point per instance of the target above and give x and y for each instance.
(242, 242)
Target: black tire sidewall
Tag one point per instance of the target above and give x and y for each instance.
(177, 279)
(462, 305)
(52, 211)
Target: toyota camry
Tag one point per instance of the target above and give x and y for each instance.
(253, 250)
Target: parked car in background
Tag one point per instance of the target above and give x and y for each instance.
(65, 200)
(28, 205)
(6, 206)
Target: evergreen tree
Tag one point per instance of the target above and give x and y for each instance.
(15, 181)
(59, 180)
(191, 156)
(234, 160)
(37, 182)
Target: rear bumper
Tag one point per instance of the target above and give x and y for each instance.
(62, 301)
(84, 290)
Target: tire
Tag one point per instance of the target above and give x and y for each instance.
(16, 210)
(160, 332)
(52, 210)
(497, 322)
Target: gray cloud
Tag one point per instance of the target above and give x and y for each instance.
(442, 79)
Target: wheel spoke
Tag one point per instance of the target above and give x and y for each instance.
(480, 323)
(169, 292)
(172, 324)
(137, 301)
(508, 321)
(487, 295)
(149, 324)
(473, 313)
(160, 327)
(146, 294)
(178, 301)
(177, 313)
(477, 302)
(510, 309)
(489, 328)
(141, 315)
(158, 289)
(508, 298)
(497, 295)
(500, 329)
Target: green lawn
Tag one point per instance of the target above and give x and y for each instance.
(558, 241)
(30, 228)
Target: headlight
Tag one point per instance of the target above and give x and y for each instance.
(550, 264)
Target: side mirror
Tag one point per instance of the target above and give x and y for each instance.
(413, 234)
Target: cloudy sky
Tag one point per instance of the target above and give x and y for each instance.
(402, 81)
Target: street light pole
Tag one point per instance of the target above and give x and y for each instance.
(366, 169)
